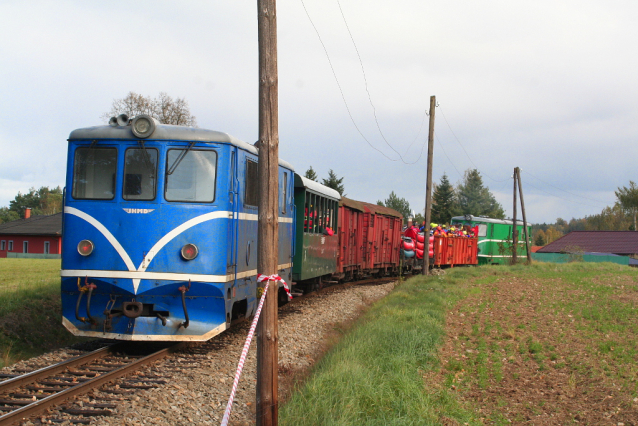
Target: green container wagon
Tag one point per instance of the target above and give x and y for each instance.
(495, 238)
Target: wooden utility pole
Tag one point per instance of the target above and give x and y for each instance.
(520, 192)
(428, 190)
(514, 230)
(268, 225)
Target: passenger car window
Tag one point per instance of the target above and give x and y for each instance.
(94, 173)
(140, 174)
(194, 176)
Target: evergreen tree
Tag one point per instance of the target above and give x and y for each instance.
(334, 182)
(399, 204)
(628, 200)
(310, 174)
(443, 201)
(43, 201)
(475, 199)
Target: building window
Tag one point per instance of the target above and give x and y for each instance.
(10, 246)
(3, 245)
(46, 247)
(25, 247)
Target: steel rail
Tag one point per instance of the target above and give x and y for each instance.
(34, 376)
(18, 415)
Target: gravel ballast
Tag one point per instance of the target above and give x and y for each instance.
(200, 378)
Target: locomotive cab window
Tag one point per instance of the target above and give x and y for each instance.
(191, 175)
(140, 174)
(482, 230)
(251, 197)
(284, 198)
(94, 173)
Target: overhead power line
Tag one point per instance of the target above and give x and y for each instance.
(462, 147)
(374, 111)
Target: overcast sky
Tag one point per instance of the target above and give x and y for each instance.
(548, 86)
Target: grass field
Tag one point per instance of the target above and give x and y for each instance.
(541, 344)
(30, 316)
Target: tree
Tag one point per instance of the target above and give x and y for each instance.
(443, 201)
(334, 182)
(475, 199)
(43, 201)
(163, 108)
(7, 215)
(628, 200)
(552, 234)
(399, 204)
(310, 174)
(540, 239)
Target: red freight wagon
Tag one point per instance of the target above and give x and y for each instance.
(450, 251)
(369, 239)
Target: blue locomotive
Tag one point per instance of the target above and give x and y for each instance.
(160, 229)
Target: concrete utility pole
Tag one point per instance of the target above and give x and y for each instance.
(520, 192)
(428, 190)
(514, 230)
(268, 231)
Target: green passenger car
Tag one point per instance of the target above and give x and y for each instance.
(495, 238)
(316, 250)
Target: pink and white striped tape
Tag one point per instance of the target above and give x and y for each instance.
(244, 352)
(274, 277)
(242, 359)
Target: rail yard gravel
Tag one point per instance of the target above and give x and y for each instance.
(201, 377)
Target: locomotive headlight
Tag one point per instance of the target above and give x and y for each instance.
(190, 251)
(85, 247)
(143, 126)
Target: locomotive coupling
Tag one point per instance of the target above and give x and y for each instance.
(132, 309)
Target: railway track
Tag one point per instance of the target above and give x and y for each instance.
(51, 393)
(31, 394)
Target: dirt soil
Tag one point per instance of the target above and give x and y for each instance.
(518, 355)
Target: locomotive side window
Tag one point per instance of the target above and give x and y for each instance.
(193, 176)
(251, 197)
(94, 173)
(140, 174)
(482, 230)
(285, 196)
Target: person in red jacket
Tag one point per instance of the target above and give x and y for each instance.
(411, 231)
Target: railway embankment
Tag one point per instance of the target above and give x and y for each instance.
(30, 321)
(542, 344)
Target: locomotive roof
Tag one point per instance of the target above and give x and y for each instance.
(488, 220)
(316, 187)
(166, 132)
(369, 208)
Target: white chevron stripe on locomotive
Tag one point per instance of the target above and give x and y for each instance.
(136, 274)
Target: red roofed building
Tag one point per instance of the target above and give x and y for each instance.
(37, 236)
(623, 243)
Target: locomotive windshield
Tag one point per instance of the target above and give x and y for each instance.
(140, 174)
(94, 173)
(193, 178)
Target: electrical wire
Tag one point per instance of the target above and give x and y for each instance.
(374, 109)
(334, 73)
(446, 156)
(468, 155)
(567, 192)
(563, 198)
